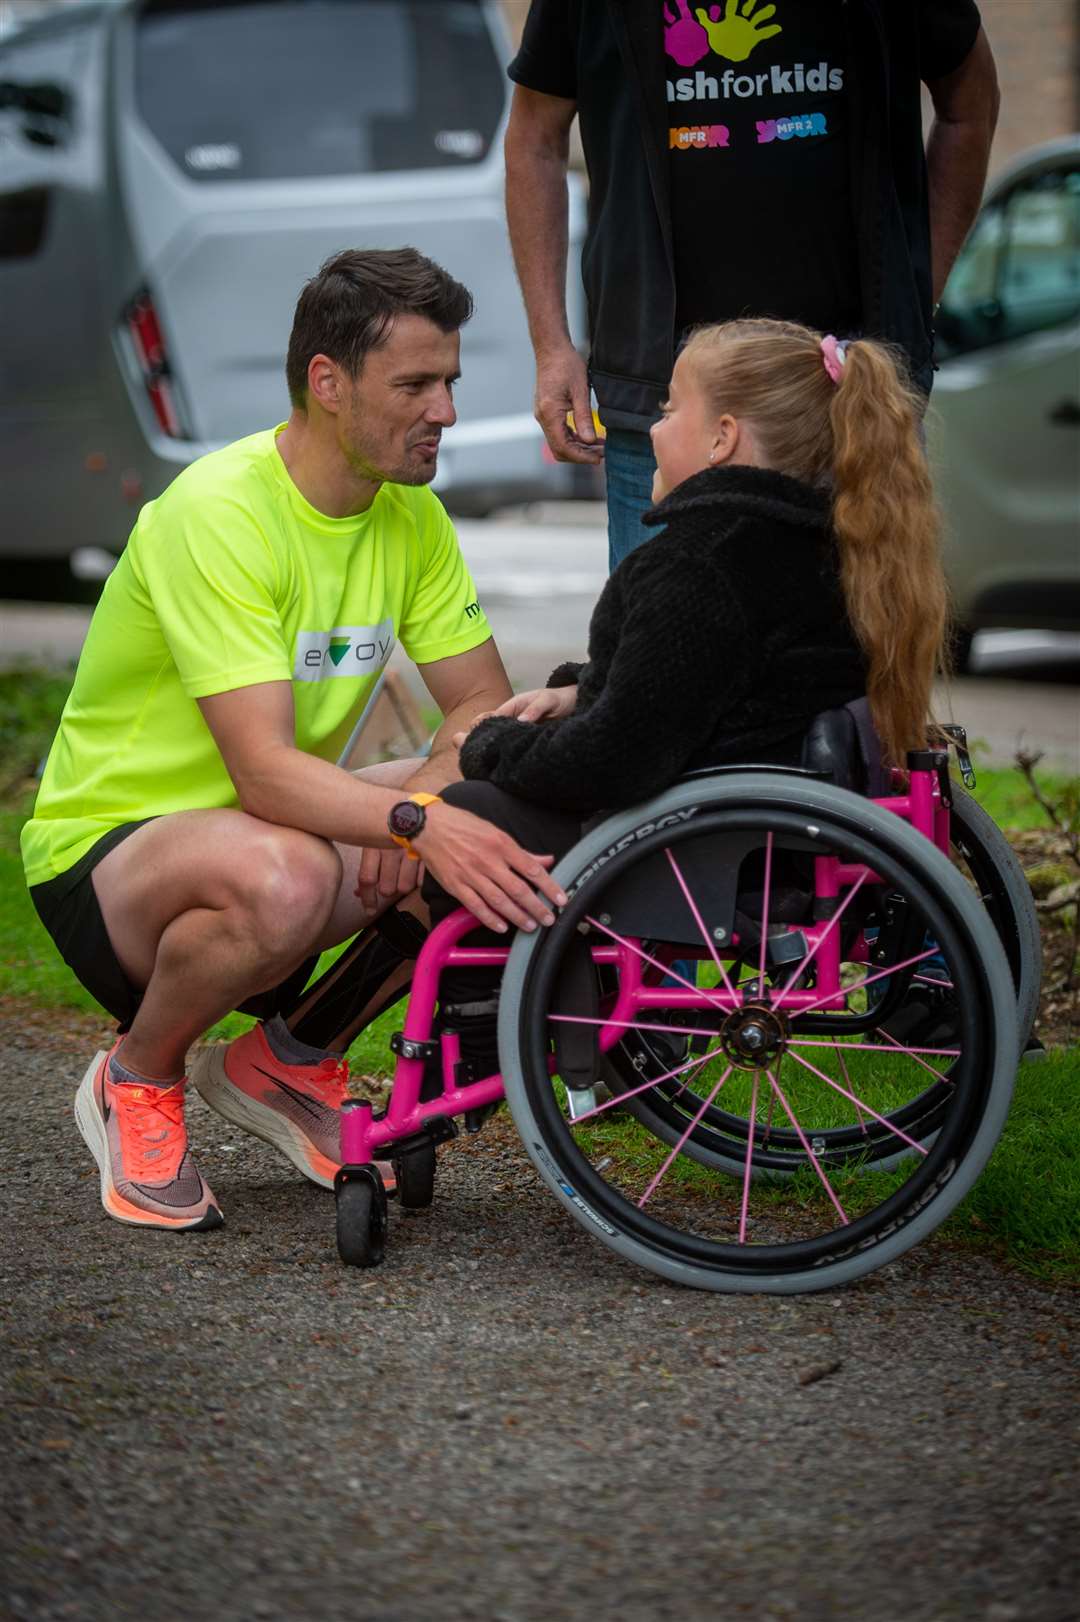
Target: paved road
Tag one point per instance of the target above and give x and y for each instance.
(505, 1423)
(540, 571)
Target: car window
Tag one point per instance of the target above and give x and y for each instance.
(38, 79)
(38, 102)
(1039, 284)
(1019, 271)
(281, 89)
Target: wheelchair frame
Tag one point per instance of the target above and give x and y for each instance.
(408, 1130)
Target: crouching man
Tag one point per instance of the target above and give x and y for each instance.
(194, 846)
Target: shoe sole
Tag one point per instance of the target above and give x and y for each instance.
(92, 1130)
(211, 1079)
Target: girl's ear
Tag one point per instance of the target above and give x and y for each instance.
(725, 439)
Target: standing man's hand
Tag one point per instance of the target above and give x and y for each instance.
(537, 149)
(562, 386)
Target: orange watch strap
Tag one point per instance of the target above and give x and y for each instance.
(419, 798)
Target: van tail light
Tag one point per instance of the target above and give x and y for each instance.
(144, 330)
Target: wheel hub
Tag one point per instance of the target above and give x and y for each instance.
(754, 1037)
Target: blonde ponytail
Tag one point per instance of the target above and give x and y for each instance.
(888, 530)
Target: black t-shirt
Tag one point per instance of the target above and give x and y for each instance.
(758, 153)
(760, 170)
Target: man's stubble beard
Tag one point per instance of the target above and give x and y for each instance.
(365, 468)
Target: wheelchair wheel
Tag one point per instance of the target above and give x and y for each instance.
(983, 855)
(360, 1203)
(415, 1173)
(870, 1142)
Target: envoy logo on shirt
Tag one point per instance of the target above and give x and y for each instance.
(349, 650)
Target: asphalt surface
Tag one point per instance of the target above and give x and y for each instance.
(505, 1422)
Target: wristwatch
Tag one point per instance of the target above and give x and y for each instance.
(406, 821)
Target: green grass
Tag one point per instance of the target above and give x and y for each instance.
(1005, 796)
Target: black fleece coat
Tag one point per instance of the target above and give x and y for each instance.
(718, 640)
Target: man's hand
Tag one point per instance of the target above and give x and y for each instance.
(562, 385)
(384, 876)
(487, 871)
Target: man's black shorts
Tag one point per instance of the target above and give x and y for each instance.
(68, 907)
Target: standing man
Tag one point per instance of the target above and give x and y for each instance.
(194, 846)
(744, 159)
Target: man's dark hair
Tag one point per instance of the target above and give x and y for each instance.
(348, 308)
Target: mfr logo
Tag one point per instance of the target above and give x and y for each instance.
(702, 136)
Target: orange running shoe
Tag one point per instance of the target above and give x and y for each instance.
(295, 1107)
(137, 1136)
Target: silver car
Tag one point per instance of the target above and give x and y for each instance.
(171, 172)
(1005, 424)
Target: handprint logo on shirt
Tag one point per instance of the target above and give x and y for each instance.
(684, 39)
(735, 34)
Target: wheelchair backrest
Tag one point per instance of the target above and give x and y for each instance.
(843, 747)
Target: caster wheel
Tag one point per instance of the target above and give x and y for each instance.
(415, 1173)
(361, 1216)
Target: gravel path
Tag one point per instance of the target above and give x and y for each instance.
(504, 1422)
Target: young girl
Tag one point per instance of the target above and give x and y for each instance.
(795, 567)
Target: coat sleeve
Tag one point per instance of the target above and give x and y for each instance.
(683, 657)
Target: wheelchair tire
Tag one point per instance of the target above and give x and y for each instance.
(979, 844)
(360, 1207)
(415, 1173)
(949, 1129)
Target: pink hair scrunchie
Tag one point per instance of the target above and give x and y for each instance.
(835, 354)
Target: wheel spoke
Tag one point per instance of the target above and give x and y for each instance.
(748, 1162)
(882, 974)
(706, 937)
(696, 1063)
(860, 1103)
(847, 1078)
(811, 1156)
(678, 1147)
(867, 1047)
(952, 1053)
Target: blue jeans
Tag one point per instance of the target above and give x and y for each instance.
(629, 463)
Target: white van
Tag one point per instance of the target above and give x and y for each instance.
(171, 172)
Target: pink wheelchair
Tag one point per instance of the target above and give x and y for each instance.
(769, 1043)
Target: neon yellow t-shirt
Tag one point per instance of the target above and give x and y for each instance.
(231, 578)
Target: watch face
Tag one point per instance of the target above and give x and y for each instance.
(406, 819)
